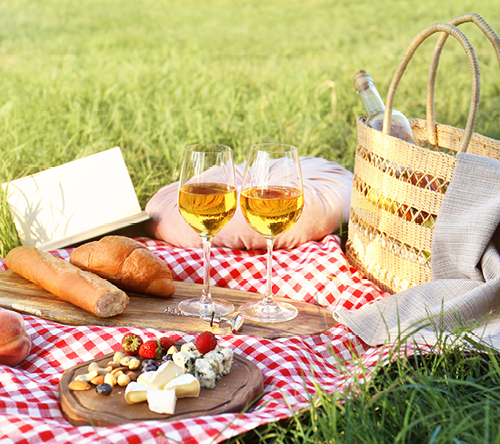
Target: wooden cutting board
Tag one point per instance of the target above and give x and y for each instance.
(232, 393)
(17, 293)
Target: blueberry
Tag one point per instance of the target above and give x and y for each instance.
(148, 362)
(104, 389)
(169, 357)
(149, 368)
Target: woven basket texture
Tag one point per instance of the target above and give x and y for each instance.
(398, 187)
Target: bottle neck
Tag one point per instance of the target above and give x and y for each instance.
(370, 97)
(375, 107)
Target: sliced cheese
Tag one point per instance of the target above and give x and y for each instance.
(136, 392)
(165, 373)
(162, 401)
(145, 379)
(185, 386)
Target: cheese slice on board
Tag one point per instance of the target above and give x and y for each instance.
(145, 379)
(136, 392)
(185, 386)
(159, 378)
(162, 401)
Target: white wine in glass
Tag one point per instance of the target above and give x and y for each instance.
(271, 201)
(207, 201)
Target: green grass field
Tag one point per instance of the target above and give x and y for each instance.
(151, 77)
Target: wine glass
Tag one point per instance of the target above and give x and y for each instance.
(207, 201)
(271, 201)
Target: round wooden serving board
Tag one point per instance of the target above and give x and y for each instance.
(232, 393)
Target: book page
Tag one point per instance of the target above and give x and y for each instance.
(72, 198)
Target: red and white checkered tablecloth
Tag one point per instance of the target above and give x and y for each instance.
(29, 399)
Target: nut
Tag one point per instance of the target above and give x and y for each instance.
(94, 367)
(125, 360)
(118, 370)
(134, 364)
(123, 380)
(110, 379)
(113, 364)
(79, 385)
(133, 375)
(119, 355)
(97, 380)
(87, 377)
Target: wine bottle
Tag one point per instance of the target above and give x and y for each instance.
(375, 108)
(400, 127)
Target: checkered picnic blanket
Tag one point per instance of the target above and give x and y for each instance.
(316, 271)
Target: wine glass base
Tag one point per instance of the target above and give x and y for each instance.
(194, 307)
(269, 314)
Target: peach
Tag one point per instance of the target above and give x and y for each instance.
(15, 343)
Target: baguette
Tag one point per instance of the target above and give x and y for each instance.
(126, 263)
(59, 277)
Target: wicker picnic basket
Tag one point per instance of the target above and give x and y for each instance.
(398, 187)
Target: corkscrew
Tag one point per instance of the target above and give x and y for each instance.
(212, 318)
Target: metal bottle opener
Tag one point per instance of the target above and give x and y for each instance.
(212, 319)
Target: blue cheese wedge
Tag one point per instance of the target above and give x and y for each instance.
(205, 373)
(216, 360)
(206, 368)
(227, 361)
(185, 360)
(185, 386)
(188, 346)
(162, 401)
(191, 348)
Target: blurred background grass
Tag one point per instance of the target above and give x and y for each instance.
(153, 76)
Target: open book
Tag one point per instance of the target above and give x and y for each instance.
(74, 202)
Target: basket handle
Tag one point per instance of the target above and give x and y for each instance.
(474, 67)
(483, 25)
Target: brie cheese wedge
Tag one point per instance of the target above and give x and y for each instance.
(162, 401)
(156, 380)
(136, 392)
(185, 386)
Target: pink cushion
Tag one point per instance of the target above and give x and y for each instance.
(327, 195)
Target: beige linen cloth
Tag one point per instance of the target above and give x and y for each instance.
(465, 286)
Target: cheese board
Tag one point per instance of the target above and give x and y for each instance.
(17, 293)
(232, 393)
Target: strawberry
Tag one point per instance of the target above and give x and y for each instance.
(151, 349)
(166, 343)
(206, 342)
(131, 343)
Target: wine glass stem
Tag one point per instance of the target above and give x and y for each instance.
(268, 299)
(206, 298)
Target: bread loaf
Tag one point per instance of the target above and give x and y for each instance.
(126, 263)
(59, 277)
